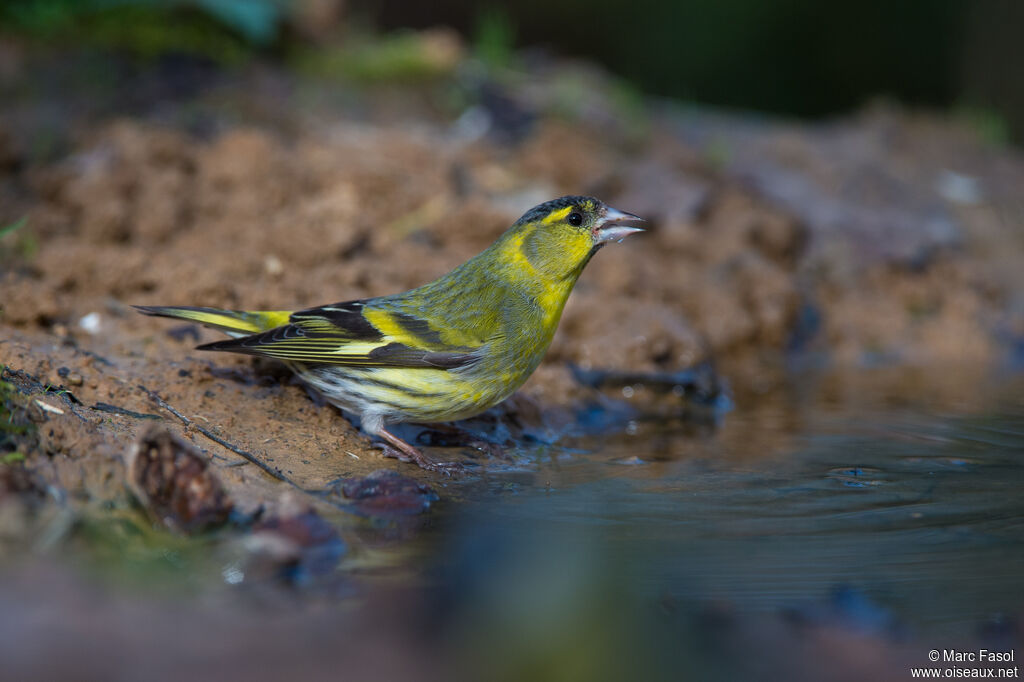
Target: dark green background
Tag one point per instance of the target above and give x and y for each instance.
(802, 57)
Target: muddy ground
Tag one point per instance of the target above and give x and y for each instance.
(888, 238)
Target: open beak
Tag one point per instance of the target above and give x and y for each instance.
(609, 229)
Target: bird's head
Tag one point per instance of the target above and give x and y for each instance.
(560, 236)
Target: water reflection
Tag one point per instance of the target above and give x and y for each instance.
(915, 504)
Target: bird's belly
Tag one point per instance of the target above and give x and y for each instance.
(408, 394)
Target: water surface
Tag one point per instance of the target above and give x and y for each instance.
(912, 505)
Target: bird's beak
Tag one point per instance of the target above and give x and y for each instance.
(608, 228)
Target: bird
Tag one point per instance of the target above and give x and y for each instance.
(441, 352)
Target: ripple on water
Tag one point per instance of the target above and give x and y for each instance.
(922, 511)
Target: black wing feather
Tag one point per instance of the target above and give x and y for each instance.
(317, 334)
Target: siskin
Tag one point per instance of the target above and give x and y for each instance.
(444, 351)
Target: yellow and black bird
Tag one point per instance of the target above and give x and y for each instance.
(446, 350)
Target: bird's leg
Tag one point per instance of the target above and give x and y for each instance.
(398, 448)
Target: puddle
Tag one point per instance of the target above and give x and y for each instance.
(919, 509)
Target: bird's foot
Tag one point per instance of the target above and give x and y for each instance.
(399, 449)
(421, 460)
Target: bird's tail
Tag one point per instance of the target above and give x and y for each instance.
(234, 322)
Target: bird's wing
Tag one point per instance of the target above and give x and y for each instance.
(355, 333)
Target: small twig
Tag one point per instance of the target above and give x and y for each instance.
(114, 409)
(276, 473)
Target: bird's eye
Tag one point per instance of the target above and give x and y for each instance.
(575, 219)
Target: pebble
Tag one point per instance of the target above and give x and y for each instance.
(273, 266)
(91, 323)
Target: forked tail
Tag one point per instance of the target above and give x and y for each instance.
(234, 322)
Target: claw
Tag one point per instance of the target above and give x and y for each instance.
(408, 453)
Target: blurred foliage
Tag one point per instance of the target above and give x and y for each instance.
(988, 124)
(494, 37)
(257, 20)
(223, 30)
(400, 57)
